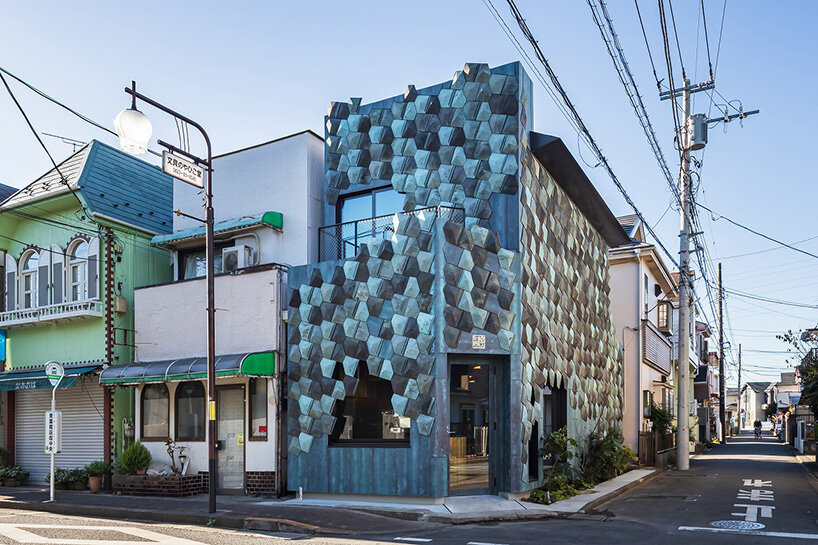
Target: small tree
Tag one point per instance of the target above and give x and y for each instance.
(771, 411)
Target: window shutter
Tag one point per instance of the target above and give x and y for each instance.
(42, 278)
(93, 268)
(11, 283)
(57, 274)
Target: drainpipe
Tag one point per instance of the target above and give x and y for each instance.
(279, 389)
(638, 330)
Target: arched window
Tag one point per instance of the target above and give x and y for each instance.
(190, 412)
(155, 418)
(78, 271)
(28, 273)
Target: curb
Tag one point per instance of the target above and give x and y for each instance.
(596, 502)
(528, 515)
(219, 521)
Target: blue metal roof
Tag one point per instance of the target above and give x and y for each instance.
(122, 187)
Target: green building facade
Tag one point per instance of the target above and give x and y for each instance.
(76, 243)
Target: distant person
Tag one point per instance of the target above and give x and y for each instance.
(757, 429)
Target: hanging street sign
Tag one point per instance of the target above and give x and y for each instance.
(182, 169)
(53, 432)
(54, 372)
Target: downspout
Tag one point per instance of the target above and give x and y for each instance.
(279, 389)
(639, 333)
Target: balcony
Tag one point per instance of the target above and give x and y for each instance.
(341, 241)
(656, 348)
(72, 310)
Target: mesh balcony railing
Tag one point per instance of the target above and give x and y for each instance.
(341, 241)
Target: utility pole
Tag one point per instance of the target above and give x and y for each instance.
(683, 373)
(722, 411)
(692, 137)
(738, 403)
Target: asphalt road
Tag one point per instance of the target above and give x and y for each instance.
(747, 481)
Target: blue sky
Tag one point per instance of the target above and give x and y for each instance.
(253, 71)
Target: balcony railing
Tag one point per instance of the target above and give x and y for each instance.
(656, 349)
(51, 313)
(341, 241)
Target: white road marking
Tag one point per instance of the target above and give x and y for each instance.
(483, 543)
(752, 512)
(788, 535)
(755, 494)
(413, 539)
(18, 533)
(757, 482)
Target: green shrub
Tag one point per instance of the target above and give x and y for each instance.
(67, 475)
(15, 472)
(662, 419)
(5, 457)
(134, 458)
(607, 456)
(97, 469)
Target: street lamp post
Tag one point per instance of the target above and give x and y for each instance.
(134, 130)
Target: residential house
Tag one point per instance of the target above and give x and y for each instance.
(76, 244)
(731, 405)
(267, 210)
(642, 288)
(785, 393)
(753, 403)
(459, 310)
(6, 191)
(706, 392)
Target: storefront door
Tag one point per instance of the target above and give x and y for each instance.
(230, 438)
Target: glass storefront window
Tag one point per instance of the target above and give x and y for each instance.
(258, 409)
(190, 411)
(155, 407)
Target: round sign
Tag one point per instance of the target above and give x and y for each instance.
(54, 372)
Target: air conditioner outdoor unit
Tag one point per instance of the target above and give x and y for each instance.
(236, 257)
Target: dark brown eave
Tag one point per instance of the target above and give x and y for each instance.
(552, 154)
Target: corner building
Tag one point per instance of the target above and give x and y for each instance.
(459, 310)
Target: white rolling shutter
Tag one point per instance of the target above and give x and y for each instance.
(82, 434)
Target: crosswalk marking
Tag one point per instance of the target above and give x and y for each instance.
(789, 535)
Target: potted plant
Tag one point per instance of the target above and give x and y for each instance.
(60, 482)
(13, 476)
(134, 460)
(77, 479)
(95, 471)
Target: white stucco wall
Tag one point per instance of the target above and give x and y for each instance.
(170, 319)
(258, 455)
(282, 176)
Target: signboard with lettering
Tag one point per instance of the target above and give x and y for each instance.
(182, 169)
(478, 342)
(53, 432)
(54, 372)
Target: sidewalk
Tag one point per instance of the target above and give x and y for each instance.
(326, 517)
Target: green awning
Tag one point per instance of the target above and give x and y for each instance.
(274, 220)
(255, 364)
(34, 378)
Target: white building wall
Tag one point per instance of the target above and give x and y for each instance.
(258, 455)
(282, 176)
(170, 319)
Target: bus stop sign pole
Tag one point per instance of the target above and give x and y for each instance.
(53, 420)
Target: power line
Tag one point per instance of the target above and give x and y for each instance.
(647, 46)
(768, 299)
(63, 106)
(676, 34)
(762, 235)
(42, 144)
(706, 40)
(766, 249)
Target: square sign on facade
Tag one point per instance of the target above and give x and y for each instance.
(53, 432)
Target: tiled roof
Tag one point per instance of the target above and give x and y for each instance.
(111, 183)
(758, 386)
(787, 379)
(6, 191)
(49, 184)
